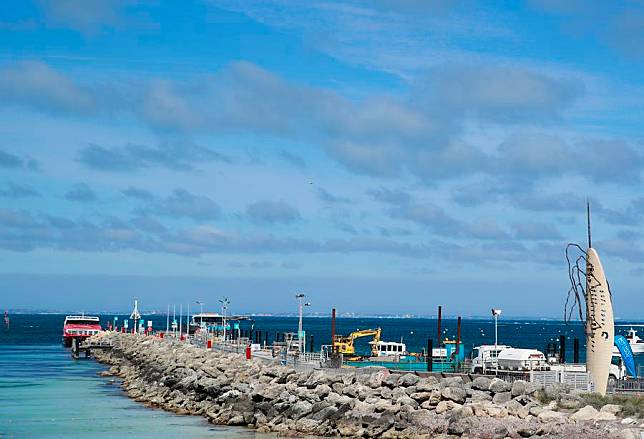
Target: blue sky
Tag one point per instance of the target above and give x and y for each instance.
(382, 156)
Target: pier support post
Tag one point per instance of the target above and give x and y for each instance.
(430, 355)
(440, 318)
(333, 329)
(562, 349)
(458, 336)
(575, 346)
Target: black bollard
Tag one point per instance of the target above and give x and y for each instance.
(430, 355)
(562, 349)
(440, 320)
(575, 347)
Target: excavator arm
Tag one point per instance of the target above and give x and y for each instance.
(344, 345)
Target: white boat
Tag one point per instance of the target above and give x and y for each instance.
(387, 351)
(637, 344)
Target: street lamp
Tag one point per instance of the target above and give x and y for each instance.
(201, 304)
(300, 336)
(496, 313)
(224, 305)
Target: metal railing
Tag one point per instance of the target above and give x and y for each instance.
(574, 379)
(635, 385)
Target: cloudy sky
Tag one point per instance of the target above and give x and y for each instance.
(381, 156)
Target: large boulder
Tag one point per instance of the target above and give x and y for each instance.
(445, 406)
(518, 388)
(455, 394)
(587, 413)
(452, 382)
(514, 407)
(427, 384)
(481, 383)
(501, 398)
(497, 386)
(300, 409)
(408, 379)
(550, 416)
(611, 408)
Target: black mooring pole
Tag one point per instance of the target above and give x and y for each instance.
(562, 349)
(430, 355)
(575, 347)
(590, 243)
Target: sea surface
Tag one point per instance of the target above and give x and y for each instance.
(46, 394)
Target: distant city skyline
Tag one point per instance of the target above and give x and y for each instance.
(381, 156)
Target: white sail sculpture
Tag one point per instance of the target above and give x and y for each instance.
(600, 326)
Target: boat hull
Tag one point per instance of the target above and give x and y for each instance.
(600, 327)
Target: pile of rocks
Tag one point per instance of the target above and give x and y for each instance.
(371, 402)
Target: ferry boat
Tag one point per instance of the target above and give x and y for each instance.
(394, 355)
(80, 327)
(637, 344)
(214, 322)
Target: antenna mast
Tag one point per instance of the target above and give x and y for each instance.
(588, 217)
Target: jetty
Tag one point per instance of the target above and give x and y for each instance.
(230, 389)
(88, 346)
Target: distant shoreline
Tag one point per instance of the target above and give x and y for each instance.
(325, 316)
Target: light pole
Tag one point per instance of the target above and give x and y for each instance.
(201, 304)
(224, 305)
(301, 339)
(496, 313)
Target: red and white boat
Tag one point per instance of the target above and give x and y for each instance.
(80, 327)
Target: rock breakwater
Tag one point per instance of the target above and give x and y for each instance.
(230, 390)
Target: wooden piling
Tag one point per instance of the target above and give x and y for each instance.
(333, 329)
(458, 335)
(440, 318)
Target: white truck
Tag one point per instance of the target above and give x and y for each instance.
(523, 360)
(487, 358)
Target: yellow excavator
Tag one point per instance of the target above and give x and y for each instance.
(344, 345)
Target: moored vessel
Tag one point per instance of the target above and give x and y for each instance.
(637, 344)
(80, 327)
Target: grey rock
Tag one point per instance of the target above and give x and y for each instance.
(501, 398)
(391, 380)
(408, 379)
(454, 394)
(452, 382)
(497, 386)
(301, 408)
(518, 388)
(479, 395)
(513, 407)
(481, 383)
(322, 390)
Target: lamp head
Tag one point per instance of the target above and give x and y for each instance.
(496, 312)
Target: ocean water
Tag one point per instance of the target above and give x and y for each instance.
(46, 394)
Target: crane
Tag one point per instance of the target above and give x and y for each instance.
(344, 345)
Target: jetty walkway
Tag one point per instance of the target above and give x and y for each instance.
(261, 393)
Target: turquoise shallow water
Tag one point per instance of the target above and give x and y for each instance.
(45, 394)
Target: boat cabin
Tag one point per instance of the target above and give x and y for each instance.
(388, 349)
(214, 322)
